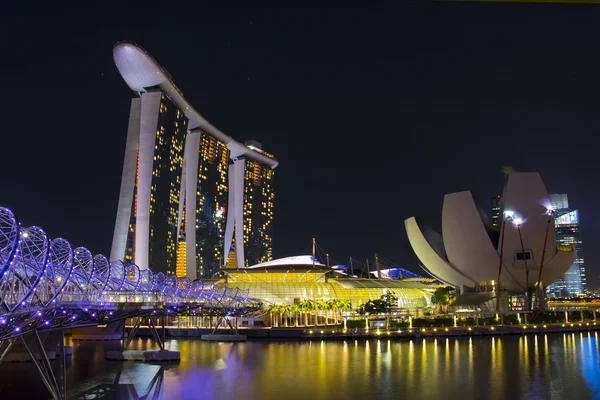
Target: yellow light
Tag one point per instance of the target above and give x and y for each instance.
(492, 328)
(469, 328)
(378, 333)
(563, 325)
(399, 331)
(446, 329)
(310, 332)
(322, 332)
(534, 327)
(423, 330)
(435, 330)
(544, 326)
(345, 330)
(524, 326)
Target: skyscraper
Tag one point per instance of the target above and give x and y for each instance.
(496, 211)
(573, 283)
(180, 186)
(151, 183)
(258, 210)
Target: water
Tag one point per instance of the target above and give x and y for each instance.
(515, 367)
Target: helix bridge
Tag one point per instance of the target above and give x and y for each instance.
(48, 285)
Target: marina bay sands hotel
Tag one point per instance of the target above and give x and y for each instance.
(192, 199)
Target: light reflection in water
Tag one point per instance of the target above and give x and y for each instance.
(560, 366)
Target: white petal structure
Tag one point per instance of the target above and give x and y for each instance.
(468, 250)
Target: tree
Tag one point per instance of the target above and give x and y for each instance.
(443, 297)
(385, 304)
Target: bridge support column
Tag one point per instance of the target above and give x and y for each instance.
(454, 318)
(224, 337)
(525, 314)
(594, 312)
(39, 355)
(145, 355)
(566, 316)
(582, 315)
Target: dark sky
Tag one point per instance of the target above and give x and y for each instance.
(374, 112)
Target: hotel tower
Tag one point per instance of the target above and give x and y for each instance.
(190, 194)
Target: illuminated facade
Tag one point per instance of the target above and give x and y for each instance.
(293, 279)
(258, 212)
(151, 183)
(252, 198)
(573, 283)
(177, 164)
(211, 207)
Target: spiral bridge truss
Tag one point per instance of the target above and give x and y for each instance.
(47, 284)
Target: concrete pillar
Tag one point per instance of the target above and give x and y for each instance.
(476, 319)
(345, 319)
(594, 312)
(410, 322)
(581, 315)
(519, 318)
(566, 316)
(525, 318)
(367, 323)
(454, 317)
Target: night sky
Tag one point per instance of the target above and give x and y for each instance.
(374, 113)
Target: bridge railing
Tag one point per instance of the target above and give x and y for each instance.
(40, 276)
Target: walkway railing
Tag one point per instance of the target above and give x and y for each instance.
(46, 283)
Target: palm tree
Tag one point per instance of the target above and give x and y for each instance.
(285, 309)
(316, 309)
(303, 307)
(295, 309)
(272, 310)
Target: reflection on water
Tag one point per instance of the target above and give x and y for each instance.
(518, 367)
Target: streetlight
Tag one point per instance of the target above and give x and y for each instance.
(528, 294)
(510, 216)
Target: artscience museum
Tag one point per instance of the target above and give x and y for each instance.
(520, 256)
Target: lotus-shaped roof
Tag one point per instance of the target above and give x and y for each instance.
(467, 252)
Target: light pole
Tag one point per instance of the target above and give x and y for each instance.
(540, 293)
(508, 215)
(518, 222)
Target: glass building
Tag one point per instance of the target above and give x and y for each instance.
(258, 213)
(573, 283)
(211, 206)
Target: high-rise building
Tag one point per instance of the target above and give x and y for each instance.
(495, 202)
(205, 234)
(146, 229)
(184, 182)
(573, 283)
(258, 210)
